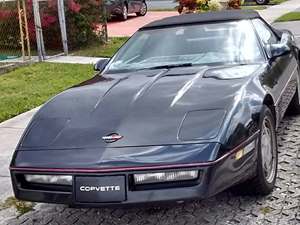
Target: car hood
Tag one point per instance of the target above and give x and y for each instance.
(149, 107)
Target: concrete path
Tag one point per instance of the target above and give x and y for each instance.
(74, 59)
(10, 134)
(272, 13)
(59, 59)
(292, 26)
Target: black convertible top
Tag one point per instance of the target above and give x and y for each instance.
(194, 18)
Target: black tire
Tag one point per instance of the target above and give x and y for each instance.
(260, 184)
(262, 2)
(294, 107)
(143, 11)
(124, 15)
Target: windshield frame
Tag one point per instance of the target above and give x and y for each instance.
(257, 41)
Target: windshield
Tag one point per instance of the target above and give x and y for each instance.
(204, 44)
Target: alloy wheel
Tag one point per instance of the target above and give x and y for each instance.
(268, 151)
(125, 12)
(143, 10)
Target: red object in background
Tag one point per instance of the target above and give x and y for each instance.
(81, 19)
(48, 20)
(5, 14)
(73, 6)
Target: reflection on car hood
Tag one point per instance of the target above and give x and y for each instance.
(149, 107)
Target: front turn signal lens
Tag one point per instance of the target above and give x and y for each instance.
(150, 178)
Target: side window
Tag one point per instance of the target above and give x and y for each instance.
(264, 32)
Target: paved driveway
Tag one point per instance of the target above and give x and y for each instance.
(127, 28)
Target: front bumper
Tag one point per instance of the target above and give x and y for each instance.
(214, 177)
(141, 194)
(212, 180)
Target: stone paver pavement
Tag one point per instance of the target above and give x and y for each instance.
(10, 133)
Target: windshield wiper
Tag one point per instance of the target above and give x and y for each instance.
(169, 66)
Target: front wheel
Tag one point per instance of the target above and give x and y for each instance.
(264, 180)
(143, 10)
(262, 2)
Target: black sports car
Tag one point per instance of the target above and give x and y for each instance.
(122, 8)
(186, 108)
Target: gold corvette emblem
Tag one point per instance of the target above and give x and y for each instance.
(112, 138)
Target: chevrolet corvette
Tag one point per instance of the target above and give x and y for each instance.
(122, 8)
(187, 108)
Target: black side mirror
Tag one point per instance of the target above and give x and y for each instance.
(101, 64)
(282, 48)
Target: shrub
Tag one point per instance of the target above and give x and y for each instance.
(234, 4)
(83, 18)
(9, 27)
(214, 5)
(188, 6)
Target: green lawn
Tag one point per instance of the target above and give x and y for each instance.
(98, 50)
(292, 16)
(28, 87)
(254, 7)
(276, 2)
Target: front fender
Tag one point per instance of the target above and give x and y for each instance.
(244, 117)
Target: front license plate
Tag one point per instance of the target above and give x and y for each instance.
(100, 189)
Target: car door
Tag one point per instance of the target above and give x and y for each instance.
(282, 81)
